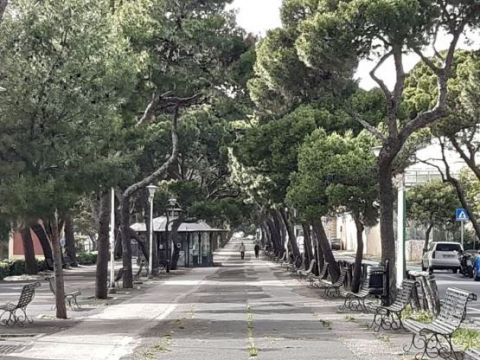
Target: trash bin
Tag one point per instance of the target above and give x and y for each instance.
(376, 280)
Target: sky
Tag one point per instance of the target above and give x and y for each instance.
(258, 16)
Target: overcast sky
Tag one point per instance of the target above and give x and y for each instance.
(257, 16)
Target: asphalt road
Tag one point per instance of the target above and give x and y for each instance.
(446, 279)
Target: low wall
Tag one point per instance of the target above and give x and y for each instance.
(414, 250)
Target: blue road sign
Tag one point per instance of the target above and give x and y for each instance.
(461, 215)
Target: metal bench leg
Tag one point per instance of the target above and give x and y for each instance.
(426, 341)
(434, 347)
(418, 342)
(376, 323)
(8, 321)
(26, 318)
(442, 351)
(76, 303)
(345, 302)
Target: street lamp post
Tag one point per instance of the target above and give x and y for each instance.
(400, 258)
(151, 195)
(170, 208)
(112, 240)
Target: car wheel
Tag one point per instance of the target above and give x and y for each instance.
(424, 267)
(430, 270)
(455, 270)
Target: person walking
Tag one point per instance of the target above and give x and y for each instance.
(242, 251)
(257, 250)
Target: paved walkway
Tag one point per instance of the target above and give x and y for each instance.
(243, 310)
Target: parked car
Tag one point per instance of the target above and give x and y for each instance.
(442, 256)
(336, 244)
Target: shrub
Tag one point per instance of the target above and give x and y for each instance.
(4, 269)
(85, 258)
(17, 267)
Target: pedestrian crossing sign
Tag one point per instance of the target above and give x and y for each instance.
(461, 215)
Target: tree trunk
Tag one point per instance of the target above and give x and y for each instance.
(427, 238)
(127, 281)
(118, 250)
(3, 6)
(59, 282)
(278, 249)
(39, 230)
(463, 200)
(319, 231)
(307, 245)
(318, 253)
(101, 289)
(278, 223)
(70, 241)
(357, 271)
(387, 200)
(29, 252)
(270, 238)
(292, 239)
(174, 237)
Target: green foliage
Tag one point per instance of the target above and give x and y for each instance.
(432, 203)
(417, 315)
(471, 187)
(272, 149)
(17, 267)
(466, 338)
(69, 72)
(85, 258)
(335, 172)
(421, 92)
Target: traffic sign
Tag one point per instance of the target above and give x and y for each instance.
(461, 215)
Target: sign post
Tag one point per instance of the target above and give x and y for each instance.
(462, 216)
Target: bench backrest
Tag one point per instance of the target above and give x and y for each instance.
(405, 293)
(341, 278)
(324, 271)
(27, 294)
(454, 306)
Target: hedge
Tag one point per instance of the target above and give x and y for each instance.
(17, 267)
(85, 258)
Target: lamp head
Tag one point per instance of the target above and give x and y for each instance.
(376, 150)
(151, 191)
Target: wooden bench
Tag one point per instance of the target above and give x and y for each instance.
(11, 309)
(292, 266)
(435, 339)
(390, 317)
(332, 289)
(356, 301)
(306, 273)
(70, 298)
(317, 279)
(472, 354)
